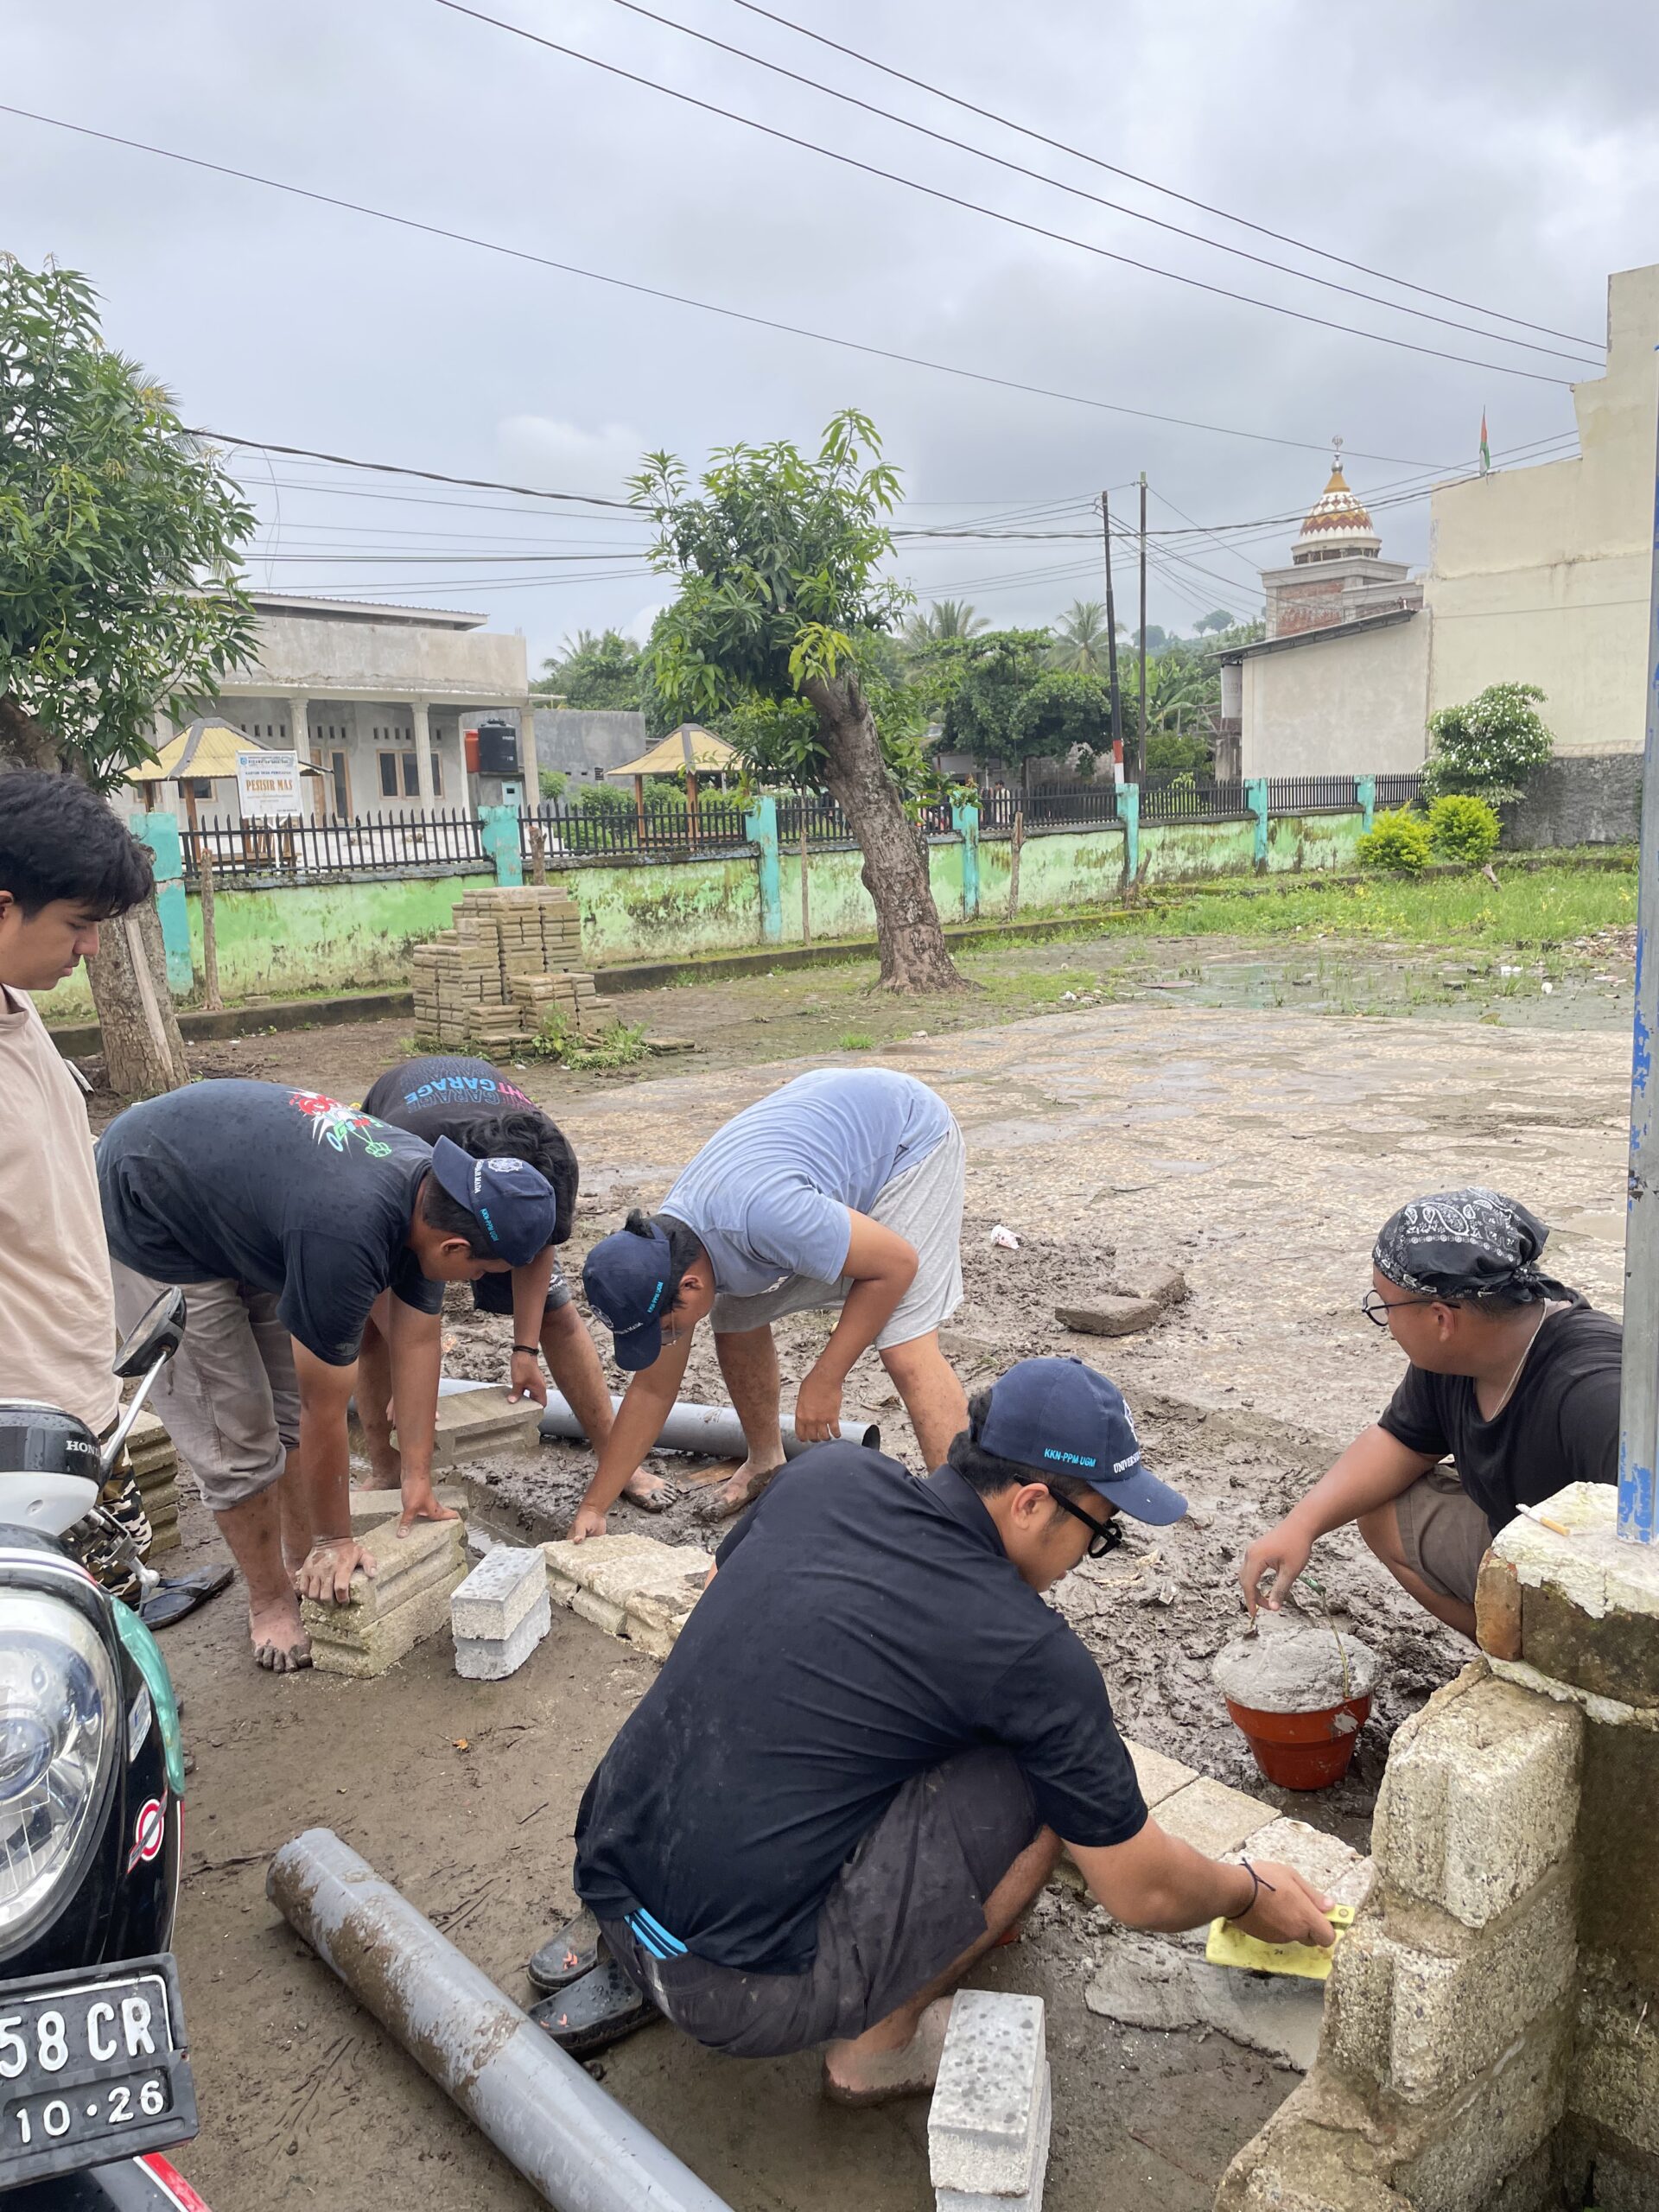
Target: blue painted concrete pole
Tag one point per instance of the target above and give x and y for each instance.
(160, 831)
(1129, 813)
(1365, 797)
(498, 835)
(964, 820)
(1256, 797)
(1638, 1411)
(760, 828)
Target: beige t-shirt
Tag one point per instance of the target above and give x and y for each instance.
(57, 1310)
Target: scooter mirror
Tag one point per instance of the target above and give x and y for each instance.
(158, 1337)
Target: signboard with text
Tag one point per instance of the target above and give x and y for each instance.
(268, 785)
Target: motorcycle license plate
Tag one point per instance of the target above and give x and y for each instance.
(93, 2065)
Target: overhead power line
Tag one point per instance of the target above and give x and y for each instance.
(346, 461)
(1114, 169)
(685, 300)
(977, 207)
(1081, 192)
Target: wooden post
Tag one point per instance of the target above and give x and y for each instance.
(639, 808)
(1018, 840)
(806, 917)
(210, 999)
(538, 853)
(691, 804)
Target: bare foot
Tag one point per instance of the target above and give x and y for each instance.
(652, 1493)
(387, 1476)
(742, 1489)
(856, 2074)
(281, 1646)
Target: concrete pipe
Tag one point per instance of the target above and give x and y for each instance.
(541, 2111)
(715, 1432)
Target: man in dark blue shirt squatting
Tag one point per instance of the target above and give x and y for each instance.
(855, 1770)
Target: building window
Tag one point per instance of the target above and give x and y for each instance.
(388, 775)
(411, 773)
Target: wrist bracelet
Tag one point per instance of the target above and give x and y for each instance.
(1257, 1886)
(534, 1350)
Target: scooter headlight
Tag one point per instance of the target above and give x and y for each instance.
(59, 1718)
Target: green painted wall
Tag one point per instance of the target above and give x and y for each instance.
(1315, 841)
(666, 910)
(1171, 851)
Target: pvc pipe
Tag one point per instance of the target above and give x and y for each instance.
(713, 1431)
(542, 2112)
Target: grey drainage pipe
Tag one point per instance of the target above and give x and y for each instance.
(541, 2111)
(713, 1431)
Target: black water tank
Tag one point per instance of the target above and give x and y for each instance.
(498, 749)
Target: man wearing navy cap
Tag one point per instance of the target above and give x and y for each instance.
(856, 1768)
(287, 1214)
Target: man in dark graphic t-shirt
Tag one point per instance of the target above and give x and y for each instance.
(1514, 1378)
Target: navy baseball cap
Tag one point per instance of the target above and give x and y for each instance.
(513, 1201)
(1059, 1415)
(626, 1278)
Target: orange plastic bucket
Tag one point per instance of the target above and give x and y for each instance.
(1303, 1750)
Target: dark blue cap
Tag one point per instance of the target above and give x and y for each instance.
(514, 1202)
(626, 1277)
(1060, 1415)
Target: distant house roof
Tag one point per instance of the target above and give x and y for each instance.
(1324, 636)
(708, 754)
(364, 610)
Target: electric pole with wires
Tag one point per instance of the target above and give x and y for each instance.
(1111, 641)
(1141, 752)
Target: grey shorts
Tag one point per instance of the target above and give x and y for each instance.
(494, 1293)
(229, 1397)
(923, 1205)
(909, 1902)
(1443, 1534)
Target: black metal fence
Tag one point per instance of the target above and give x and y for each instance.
(661, 829)
(1398, 790)
(1184, 802)
(320, 852)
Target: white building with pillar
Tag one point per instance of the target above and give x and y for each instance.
(378, 699)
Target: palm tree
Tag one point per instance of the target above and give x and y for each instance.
(1080, 640)
(947, 618)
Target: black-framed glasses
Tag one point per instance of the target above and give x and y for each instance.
(1104, 1535)
(1376, 1308)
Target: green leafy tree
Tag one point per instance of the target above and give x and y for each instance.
(991, 675)
(1170, 758)
(1396, 843)
(594, 671)
(776, 559)
(1064, 710)
(120, 538)
(1464, 828)
(1081, 639)
(1489, 745)
(947, 618)
(1217, 620)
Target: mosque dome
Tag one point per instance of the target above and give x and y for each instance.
(1336, 526)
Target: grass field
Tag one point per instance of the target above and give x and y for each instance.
(1542, 907)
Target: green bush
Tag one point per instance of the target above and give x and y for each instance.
(1398, 843)
(1488, 746)
(1464, 828)
(605, 798)
(553, 781)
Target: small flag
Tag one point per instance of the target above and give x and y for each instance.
(1485, 448)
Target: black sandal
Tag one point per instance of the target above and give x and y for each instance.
(178, 1595)
(594, 2013)
(573, 1951)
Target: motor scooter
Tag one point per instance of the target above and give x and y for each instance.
(95, 2080)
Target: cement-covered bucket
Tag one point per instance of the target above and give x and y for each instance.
(1303, 1750)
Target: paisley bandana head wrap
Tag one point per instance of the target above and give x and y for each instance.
(1471, 1244)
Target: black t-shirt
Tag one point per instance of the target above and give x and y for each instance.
(1560, 1425)
(256, 1182)
(863, 1627)
(430, 1096)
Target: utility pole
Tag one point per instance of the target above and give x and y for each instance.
(1111, 642)
(1141, 756)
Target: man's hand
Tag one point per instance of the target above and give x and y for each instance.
(589, 1522)
(421, 1504)
(1282, 1552)
(327, 1570)
(1285, 1910)
(817, 1408)
(525, 1378)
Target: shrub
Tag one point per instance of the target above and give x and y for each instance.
(1398, 842)
(605, 798)
(1489, 745)
(553, 782)
(1463, 828)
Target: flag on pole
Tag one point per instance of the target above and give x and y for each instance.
(1485, 448)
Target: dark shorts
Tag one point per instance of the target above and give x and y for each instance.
(1443, 1532)
(494, 1293)
(909, 1901)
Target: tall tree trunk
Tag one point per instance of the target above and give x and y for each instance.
(909, 934)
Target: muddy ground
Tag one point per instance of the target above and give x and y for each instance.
(1256, 1146)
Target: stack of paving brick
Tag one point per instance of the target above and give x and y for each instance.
(630, 1586)
(156, 1469)
(989, 2126)
(468, 979)
(500, 1613)
(406, 1600)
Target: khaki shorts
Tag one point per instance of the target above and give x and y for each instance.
(923, 1205)
(1443, 1534)
(229, 1397)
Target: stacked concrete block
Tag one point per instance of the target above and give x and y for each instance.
(156, 1469)
(511, 958)
(988, 2129)
(406, 1600)
(629, 1585)
(500, 1613)
(483, 1423)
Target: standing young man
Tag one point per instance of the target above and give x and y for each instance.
(287, 1214)
(475, 1106)
(1514, 1378)
(67, 865)
(843, 1189)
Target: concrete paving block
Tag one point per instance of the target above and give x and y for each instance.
(1159, 1775)
(986, 2119)
(1212, 1818)
(570, 1567)
(1615, 2082)
(492, 1659)
(1333, 1867)
(655, 1618)
(1467, 2150)
(388, 1637)
(1479, 1798)
(1029, 2200)
(506, 1584)
(1157, 1981)
(411, 1557)
(473, 1423)
(1298, 2163)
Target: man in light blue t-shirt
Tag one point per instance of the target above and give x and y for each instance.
(844, 1188)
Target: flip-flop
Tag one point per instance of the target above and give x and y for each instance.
(570, 1952)
(594, 2013)
(182, 1594)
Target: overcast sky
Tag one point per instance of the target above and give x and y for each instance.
(1507, 156)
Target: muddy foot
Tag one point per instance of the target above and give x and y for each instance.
(651, 1493)
(853, 2076)
(743, 1487)
(281, 1646)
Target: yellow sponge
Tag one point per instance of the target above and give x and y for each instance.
(1230, 1947)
